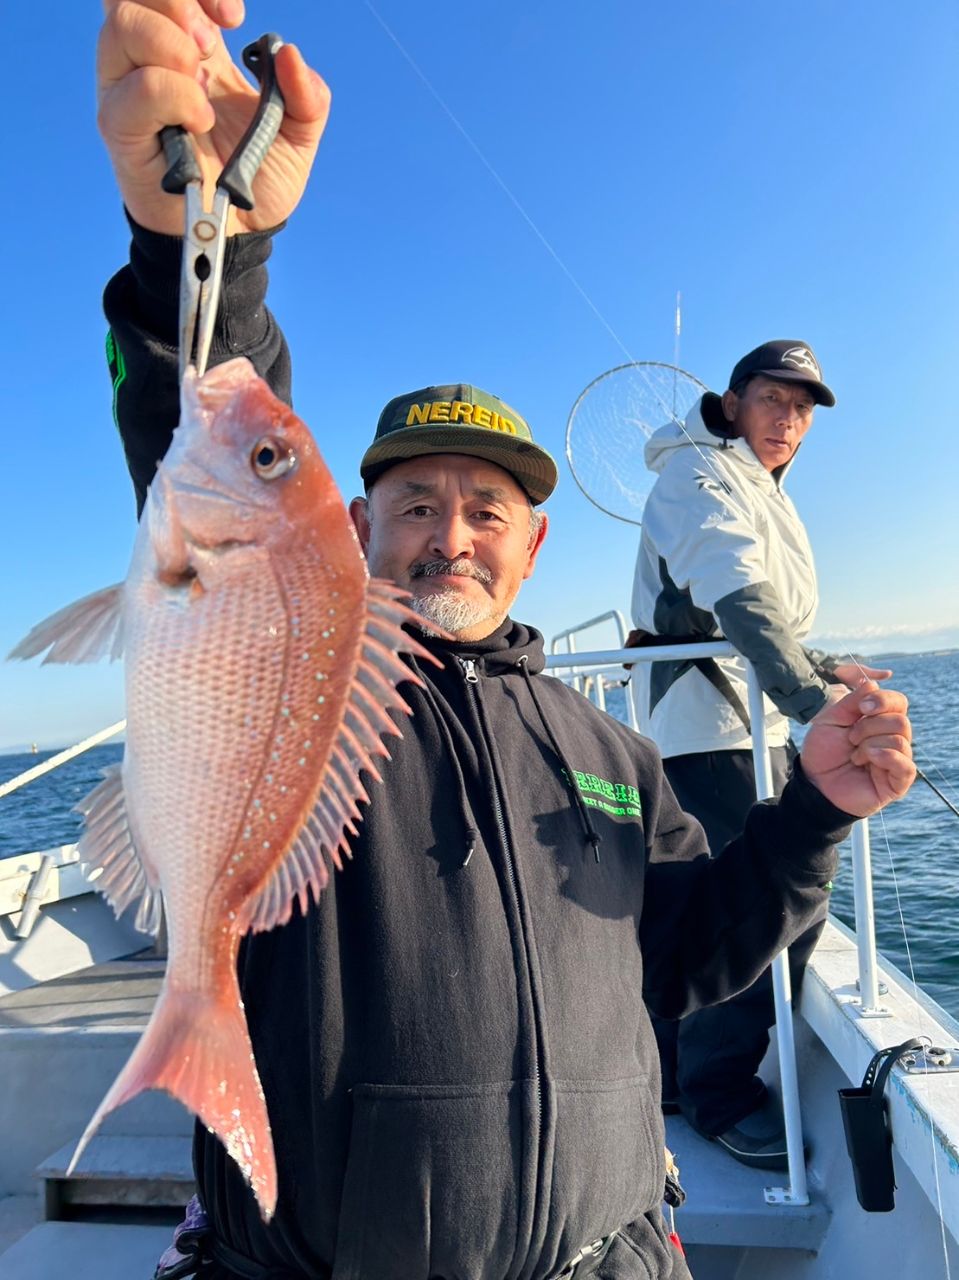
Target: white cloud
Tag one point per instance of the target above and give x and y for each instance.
(907, 637)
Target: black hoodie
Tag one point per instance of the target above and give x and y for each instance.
(454, 1043)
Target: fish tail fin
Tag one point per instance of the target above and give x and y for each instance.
(206, 1063)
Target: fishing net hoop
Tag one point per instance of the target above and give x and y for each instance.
(608, 427)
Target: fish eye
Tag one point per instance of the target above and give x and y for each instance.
(271, 458)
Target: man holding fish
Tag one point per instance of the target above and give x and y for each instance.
(452, 1032)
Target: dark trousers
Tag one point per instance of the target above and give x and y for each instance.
(710, 1058)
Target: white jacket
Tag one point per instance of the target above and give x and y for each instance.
(723, 552)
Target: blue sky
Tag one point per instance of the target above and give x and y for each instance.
(791, 171)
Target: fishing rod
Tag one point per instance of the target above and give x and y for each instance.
(929, 783)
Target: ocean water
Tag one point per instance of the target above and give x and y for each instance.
(915, 844)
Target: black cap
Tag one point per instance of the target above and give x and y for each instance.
(459, 419)
(787, 361)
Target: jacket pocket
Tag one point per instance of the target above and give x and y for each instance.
(643, 1251)
(432, 1182)
(608, 1165)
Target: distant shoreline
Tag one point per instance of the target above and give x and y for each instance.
(26, 748)
(925, 653)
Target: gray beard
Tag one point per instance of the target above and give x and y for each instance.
(448, 610)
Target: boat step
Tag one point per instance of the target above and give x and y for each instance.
(117, 1174)
(85, 1251)
(66, 1040)
(726, 1203)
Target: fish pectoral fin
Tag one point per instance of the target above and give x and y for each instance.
(373, 694)
(85, 631)
(107, 851)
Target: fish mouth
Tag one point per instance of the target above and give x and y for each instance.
(206, 493)
(177, 579)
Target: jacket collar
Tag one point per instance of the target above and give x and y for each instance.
(702, 434)
(496, 653)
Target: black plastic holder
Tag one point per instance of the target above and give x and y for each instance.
(868, 1138)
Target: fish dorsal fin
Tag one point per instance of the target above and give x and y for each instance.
(107, 849)
(85, 631)
(323, 838)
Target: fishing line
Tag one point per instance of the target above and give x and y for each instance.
(920, 1012)
(669, 412)
(514, 200)
(925, 1073)
(521, 210)
(501, 183)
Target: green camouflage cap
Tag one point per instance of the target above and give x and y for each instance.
(459, 419)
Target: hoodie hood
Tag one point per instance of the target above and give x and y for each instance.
(498, 652)
(706, 429)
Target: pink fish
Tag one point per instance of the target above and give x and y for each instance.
(261, 664)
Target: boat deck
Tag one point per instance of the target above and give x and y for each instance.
(726, 1201)
(120, 993)
(96, 1251)
(92, 1018)
(67, 1039)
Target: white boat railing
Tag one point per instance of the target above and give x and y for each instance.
(797, 1192)
(869, 1006)
(54, 762)
(594, 684)
(48, 875)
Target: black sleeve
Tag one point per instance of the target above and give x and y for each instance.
(142, 307)
(711, 925)
(752, 619)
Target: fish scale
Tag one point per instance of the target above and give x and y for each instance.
(261, 667)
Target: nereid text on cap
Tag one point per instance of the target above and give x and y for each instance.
(458, 411)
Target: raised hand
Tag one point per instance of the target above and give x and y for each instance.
(858, 750)
(852, 674)
(163, 62)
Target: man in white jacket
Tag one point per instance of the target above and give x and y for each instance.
(723, 552)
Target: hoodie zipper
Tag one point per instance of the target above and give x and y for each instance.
(471, 677)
